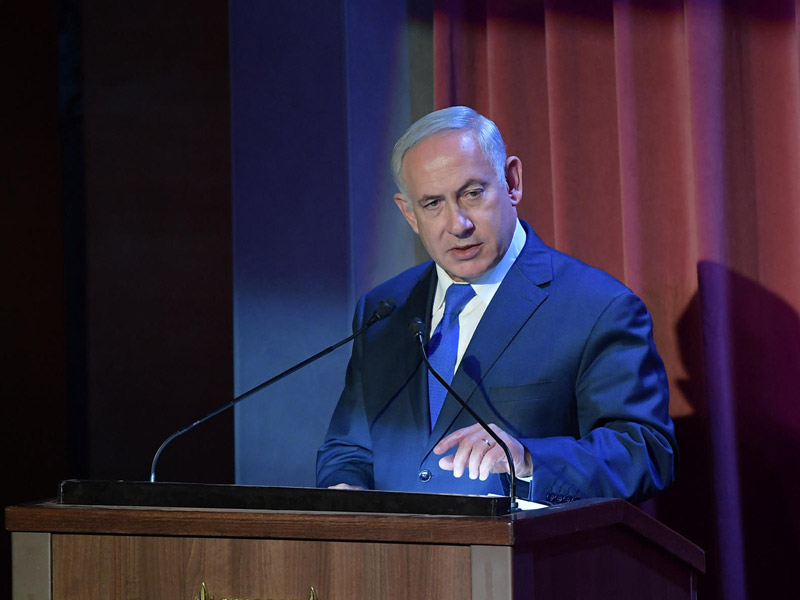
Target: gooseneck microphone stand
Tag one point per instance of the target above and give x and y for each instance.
(417, 328)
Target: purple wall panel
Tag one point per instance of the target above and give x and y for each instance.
(318, 96)
(291, 268)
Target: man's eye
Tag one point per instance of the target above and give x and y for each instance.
(431, 203)
(472, 194)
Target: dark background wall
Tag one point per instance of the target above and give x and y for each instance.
(116, 244)
(33, 429)
(158, 236)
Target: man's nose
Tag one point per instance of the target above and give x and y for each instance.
(458, 221)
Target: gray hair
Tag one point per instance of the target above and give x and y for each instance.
(448, 119)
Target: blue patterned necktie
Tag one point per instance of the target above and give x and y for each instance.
(443, 345)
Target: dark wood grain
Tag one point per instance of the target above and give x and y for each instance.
(168, 568)
(57, 518)
(532, 527)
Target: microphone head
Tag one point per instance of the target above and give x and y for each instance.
(417, 327)
(385, 308)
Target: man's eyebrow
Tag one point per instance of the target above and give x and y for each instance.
(470, 183)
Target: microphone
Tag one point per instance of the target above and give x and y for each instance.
(383, 310)
(417, 328)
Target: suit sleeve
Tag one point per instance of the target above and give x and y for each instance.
(626, 447)
(346, 454)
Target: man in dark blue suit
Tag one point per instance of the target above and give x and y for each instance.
(557, 356)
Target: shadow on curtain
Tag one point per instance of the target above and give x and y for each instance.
(660, 142)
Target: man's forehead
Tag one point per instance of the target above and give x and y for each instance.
(444, 154)
(453, 141)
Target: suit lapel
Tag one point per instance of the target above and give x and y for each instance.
(417, 304)
(515, 301)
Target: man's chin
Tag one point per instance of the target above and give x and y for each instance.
(465, 273)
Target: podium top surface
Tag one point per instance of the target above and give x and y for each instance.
(193, 495)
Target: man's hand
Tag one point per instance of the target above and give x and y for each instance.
(479, 452)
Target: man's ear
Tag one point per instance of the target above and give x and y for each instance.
(514, 179)
(407, 211)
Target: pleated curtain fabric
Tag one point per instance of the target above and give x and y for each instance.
(660, 141)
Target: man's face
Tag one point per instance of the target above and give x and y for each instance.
(464, 216)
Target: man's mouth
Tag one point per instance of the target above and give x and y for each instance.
(465, 252)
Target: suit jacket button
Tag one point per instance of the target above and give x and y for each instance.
(425, 475)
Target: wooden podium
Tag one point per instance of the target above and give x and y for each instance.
(93, 548)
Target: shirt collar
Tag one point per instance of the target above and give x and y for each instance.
(486, 285)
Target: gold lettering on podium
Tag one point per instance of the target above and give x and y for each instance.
(206, 595)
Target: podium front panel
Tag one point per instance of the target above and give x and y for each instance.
(591, 549)
(98, 567)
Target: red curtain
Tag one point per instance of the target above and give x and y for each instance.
(660, 141)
